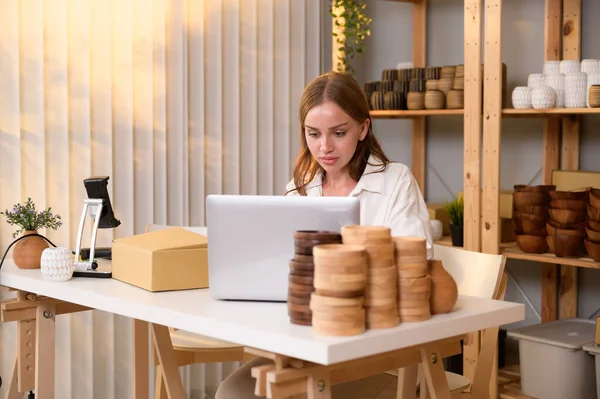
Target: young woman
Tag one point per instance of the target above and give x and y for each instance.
(340, 156)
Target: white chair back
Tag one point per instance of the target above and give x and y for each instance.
(155, 227)
(476, 274)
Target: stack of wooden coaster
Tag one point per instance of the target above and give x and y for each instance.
(381, 291)
(340, 278)
(301, 275)
(414, 283)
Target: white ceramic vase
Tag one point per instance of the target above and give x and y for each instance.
(543, 97)
(575, 90)
(437, 229)
(57, 264)
(521, 97)
(557, 82)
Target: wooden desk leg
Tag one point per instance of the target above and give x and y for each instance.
(407, 382)
(141, 357)
(166, 358)
(318, 386)
(12, 391)
(44, 350)
(433, 369)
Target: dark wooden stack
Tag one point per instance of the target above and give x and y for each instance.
(302, 273)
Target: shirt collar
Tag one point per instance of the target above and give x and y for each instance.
(371, 180)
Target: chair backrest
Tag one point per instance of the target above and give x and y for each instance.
(476, 274)
(155, 227)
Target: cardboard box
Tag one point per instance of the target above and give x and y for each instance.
(163, 260)
(575, 180)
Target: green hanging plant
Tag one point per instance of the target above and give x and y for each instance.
(455, 209)
(349, 16)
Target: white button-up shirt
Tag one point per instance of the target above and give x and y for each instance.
(389, 198)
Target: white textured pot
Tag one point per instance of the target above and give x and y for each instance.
(543, 97)
(57, 264)
(437, 230)
(521, 97)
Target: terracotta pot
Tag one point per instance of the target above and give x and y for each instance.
(27, 252)
(444, 291)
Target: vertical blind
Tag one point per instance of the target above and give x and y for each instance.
(174, 100)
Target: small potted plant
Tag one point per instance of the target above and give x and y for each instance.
(455, 210)
(28, 251)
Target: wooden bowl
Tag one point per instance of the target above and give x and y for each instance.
(567, 226)
(566, 216)
(592, 235)
(323, 236)
(532, 244)
(568, 245)
(533, 227)
(594, 226)
(593, 213)
(529, 216)
(593, 249)
(550, 241)
(576, 205)
(594, 197)
(538, 189)
(574, 195)
(529, 198)
(533, 209)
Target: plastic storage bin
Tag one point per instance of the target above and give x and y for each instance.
(553, 362)
(594, 350)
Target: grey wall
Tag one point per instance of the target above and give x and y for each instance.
(523, 51)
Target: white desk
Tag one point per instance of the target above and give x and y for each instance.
(263, 326)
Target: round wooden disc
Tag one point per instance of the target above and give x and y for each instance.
(303, 280)
(323, 327)
(301, 322)
(414, 319)
(368, 231)
(413, 311)
(373, 302)
(326, 267)
(339, 286)
(322, 301)
(293, 307)
(340, 294)
(323, 236)
(383, 272)
(303, 258)
(300, 289)
(298, 300)
(299, 314)
(381, 324)
(412, 273)
(301, 266)
(410, 245)
(413, 303)
(414, 296)
(301, 273)
(339, 251)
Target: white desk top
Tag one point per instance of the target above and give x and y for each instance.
(260, 325)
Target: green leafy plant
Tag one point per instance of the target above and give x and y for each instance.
(29, 219)
(455, 210)
(349, 16)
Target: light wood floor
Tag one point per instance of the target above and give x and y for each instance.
(509, 383)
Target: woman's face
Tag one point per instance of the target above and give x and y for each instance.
(332, 136)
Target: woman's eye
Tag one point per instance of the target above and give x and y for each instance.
(312, 134)
(340, 134)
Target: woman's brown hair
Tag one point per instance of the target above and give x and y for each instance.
(345, 91)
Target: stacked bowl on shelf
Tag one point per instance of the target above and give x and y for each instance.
(417, 88)
(529, 215)
(562, 84)
(592, 227)
(564, 223)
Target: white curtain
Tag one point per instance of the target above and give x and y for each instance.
(174, 100)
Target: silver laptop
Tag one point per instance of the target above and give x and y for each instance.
(251, 239)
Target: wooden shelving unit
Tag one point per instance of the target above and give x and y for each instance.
(562, 41)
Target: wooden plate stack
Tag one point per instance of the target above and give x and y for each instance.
(301, 277)
(381, 291)
(414, 284)
(340, 279)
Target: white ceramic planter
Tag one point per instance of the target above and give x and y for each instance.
(521, 97)
(57, 264)
(543, 97)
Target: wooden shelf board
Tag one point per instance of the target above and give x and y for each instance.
(445, 240)
(405, 114)
(514, 252)
(548, 112)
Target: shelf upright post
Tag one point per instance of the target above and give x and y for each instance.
(570, 145)
(551, 145)
(419, 128)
